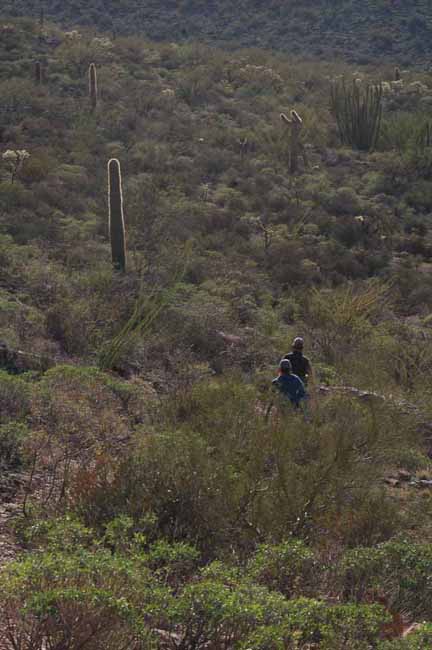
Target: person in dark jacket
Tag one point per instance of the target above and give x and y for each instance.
(288, 384)
(300, 364)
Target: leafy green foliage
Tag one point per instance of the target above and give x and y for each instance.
(400, 570)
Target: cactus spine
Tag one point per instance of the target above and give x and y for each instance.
(93, 89)
(295, 124)
(116, 219)
(357, 110)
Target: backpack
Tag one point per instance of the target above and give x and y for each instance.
(300, 364)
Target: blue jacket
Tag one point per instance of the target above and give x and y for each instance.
(290, 386)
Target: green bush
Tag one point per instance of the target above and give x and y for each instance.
(215, 473)
(12, 436)
(14, 397)
(290, 568)
(399, 570)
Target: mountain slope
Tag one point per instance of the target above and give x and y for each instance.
(387, 30)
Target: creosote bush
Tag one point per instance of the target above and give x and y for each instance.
(217, 474)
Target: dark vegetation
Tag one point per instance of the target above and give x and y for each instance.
(159, 508)
(364, 31)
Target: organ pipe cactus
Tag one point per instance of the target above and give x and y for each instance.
(116, 219)
(93, 88)
(357, 109)
(295, 124)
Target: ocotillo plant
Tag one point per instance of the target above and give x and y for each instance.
(295, 124)
(93, 88)
(38, 72)
(116, 219)
(357, 108)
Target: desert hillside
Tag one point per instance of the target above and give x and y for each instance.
(363, 32)
(172, 216)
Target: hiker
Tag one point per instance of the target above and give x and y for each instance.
(300, 364)
(288, 384)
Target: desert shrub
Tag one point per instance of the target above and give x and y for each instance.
(77, 417)
(13, 195)
(65, 323)
(289, 568)
(398, 570)
(400, 130)
(372, 516)
(89, 597)
(418, 639)
(37, 167)
(343, 201)
(411, 459)
(12, 436)
(341, 319)
(420, 195)
(312, 623)
(83, 598)
(14, 397)
(215, 473)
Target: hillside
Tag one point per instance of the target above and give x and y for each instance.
(149, 496)
(362, 32)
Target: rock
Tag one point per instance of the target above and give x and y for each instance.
(231, 339)
(393, 482)
(403, 475)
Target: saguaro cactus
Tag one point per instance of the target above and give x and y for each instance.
(397, 74)
(38, 72)
(116, 219)
(295, 124)
(93, 89)
(357, 109)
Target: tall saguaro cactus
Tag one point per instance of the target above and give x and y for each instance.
(295, 124)
(38, 72)
(357, 109)
(116, 219)
(93, 88)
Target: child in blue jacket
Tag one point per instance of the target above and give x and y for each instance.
(289, 385)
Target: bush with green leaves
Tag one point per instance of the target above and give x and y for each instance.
(400, 571)
(290, 567)
(12, 439)
(78, 592)
(216, 473)
(14, 397)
